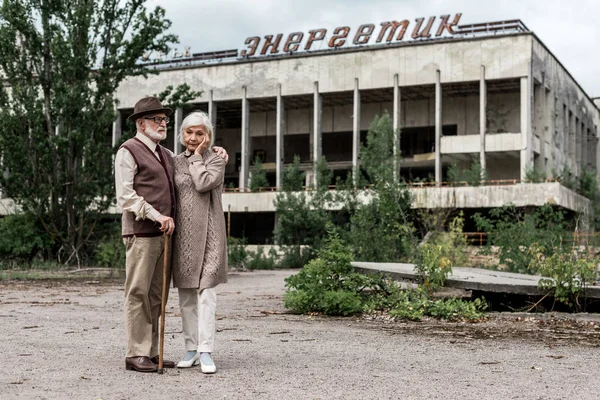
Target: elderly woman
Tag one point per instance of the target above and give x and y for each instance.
(200, 244)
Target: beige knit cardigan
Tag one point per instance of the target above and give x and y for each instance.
(200, 241)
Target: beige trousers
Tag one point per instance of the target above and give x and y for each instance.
(198, 309)
(143, 289)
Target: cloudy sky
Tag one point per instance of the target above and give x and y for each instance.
(568, 28)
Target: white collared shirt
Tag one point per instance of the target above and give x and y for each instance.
(125, 170)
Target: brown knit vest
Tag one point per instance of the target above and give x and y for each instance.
(153, 182)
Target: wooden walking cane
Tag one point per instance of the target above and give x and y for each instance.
(163, 302)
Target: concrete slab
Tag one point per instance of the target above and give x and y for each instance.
(484, 280)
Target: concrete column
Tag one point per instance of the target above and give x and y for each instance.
(526, 149)
(579, 149)
(116, 129)
(245, 165)
(355, 134)
(438, 127)
(280, 134)
(317, 130)
(396, 125)
(542, 126)
(482, 117)
(178, 120)
(576, 154)
(212, 113)
(572, 122)
(549, 137)
(584, 147)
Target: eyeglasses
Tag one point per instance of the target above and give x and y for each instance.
(158, 120)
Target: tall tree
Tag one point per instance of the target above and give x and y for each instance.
(381, 229)
(61, 62)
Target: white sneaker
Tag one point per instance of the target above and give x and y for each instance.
(190, 359)
(207, 365)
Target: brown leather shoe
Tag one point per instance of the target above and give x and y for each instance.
(141, 364)
(166, 363)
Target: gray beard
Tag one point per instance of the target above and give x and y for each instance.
(156, 135)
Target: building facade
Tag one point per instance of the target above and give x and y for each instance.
(493, 95)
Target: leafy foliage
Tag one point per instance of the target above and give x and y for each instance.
(110, 252)
(514, 231)
(260, 259)
(534, 175)
(302, 216)
(22, 238)
(432, 267)
(565, 176)
(237, 255)
(293, 178)
(451, 238)
(385, 217)
(329, 285)
(567, 274)
(296, 256)
(473, 175)
(64, 62)
(259, 176)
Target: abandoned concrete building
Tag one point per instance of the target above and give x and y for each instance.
(490, 92)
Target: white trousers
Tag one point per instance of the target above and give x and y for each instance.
(198, 308)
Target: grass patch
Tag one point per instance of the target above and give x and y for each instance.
(63, 274)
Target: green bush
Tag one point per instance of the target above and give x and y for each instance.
(380, 230)
(296, 256)
(259, 260)
(320, 285)
(456, 309)
(432, 267)
(110, 250)
(236, 252)
(330, 285)
(22, 238)
(534, 175)
(514, 231)
(566, 274)
(259, 176)
(473, 175)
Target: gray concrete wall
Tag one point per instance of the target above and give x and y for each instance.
(521, 195)
(566, 140)
(458, 61)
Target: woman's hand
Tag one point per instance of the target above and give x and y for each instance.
(202, 146)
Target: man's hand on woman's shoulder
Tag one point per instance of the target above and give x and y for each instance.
(221, 152)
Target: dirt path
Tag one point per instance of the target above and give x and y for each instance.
(66, 341)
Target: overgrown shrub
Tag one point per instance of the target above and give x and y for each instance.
(565, 177)
(473, 175)
(566, 274)
(259, 176)
(330, 285)
(110, 250)
(534, 174)
(451, 238)
(302, 216)
(296, 256)
(380, 230)
(513, 231)
(259, 260)
(293, 178)
(327, 284)
(432, 267)
(22, 238)
(236, 252)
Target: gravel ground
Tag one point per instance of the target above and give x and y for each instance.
(65, 340)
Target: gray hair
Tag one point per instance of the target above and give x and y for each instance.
(194, 119)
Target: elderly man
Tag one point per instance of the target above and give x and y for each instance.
(145, 193)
